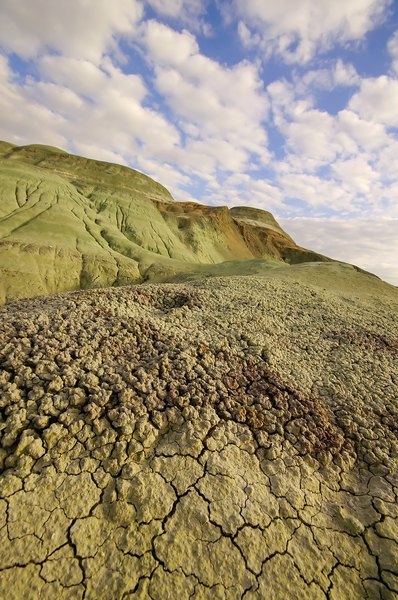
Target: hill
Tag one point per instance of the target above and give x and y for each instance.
(69, 223)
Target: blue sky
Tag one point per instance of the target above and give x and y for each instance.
(290, 106)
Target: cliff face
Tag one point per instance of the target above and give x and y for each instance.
(69, 223)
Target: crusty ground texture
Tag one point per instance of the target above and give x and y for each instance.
(226, 438)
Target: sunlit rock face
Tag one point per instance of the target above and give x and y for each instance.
(230, 437)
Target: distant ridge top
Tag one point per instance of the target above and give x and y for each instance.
(81, 170)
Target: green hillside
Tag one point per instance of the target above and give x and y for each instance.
(69, 223)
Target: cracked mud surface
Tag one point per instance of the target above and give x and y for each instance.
(232, 438)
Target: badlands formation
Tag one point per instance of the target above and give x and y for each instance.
(230, 434)
(69, 223)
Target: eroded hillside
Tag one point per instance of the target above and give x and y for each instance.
(69, 223)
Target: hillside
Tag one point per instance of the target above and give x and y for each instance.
(69, 223)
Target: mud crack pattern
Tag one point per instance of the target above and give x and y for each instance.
(230, 438)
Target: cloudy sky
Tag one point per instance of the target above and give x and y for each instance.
(290, 106)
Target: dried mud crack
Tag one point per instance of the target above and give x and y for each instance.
(235, 437)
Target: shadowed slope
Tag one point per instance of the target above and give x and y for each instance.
(67, 223)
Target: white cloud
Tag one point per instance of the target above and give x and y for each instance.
(345, 74)
(110, 123)
(23, 121)
(312, 138)
(62, 100)
(239, 86)
(356, 174)
(393, 50)
(174, 8)
(283, 98)
(166, 174)
(371, 244)
(88, 79)
(209, 154)
(297, 30)
(339, 74)
(367, 134)
(199, 104)
(98, 153)
(117, 113)
(117, 120)
(248, 38)
(301, 93)
(377, 100)
(332, 162)
(167, 46)
(258, 193)
(320, 193)
(388, 161)
(188, 12)
(83, 29)
(389, 204)
(240, 189)
(221, 109)
(313, 133)
(82, 76)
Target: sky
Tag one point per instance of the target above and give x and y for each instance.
(289, 106)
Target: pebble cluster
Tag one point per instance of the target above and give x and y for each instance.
(217, 439)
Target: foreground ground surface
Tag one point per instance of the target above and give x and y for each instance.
(225, 438)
